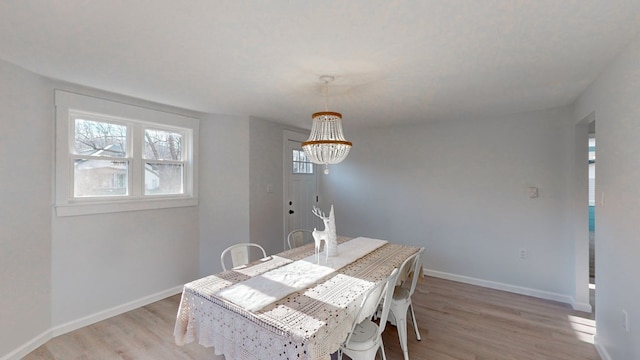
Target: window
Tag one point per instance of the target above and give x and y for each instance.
(164, 164)
(114, 157)
(101, 165)
(301, 164)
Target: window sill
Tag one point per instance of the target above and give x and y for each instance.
(90, 208)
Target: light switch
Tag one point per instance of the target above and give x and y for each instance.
(533, 192)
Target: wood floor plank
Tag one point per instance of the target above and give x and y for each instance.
(457, 322)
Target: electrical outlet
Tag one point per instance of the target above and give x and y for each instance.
(523, 253)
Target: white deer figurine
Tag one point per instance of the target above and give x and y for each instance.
(328, 235)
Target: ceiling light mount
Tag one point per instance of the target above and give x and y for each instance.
(326, 144)
(327, 78)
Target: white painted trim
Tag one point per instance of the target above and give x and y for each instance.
(502, 286)
(580, 306)
(47, 335)
(602, 351)
(70, 104)
(28, 347)
(85, 208)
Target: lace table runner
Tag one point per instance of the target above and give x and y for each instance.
(260, 291)
(307, 324)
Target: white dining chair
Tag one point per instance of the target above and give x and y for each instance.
(365, 338)
(401, 300)
(299, 237)
(239, 254)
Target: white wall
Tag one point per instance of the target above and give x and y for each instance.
(224, 187)
(459, 188)
(26, 143)
(614, 97)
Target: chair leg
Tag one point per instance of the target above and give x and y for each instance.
(401, 325)
(415, 324)
(384, 356)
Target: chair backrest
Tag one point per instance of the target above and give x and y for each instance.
(382, 292)
(386, 304)
(240, 254)
(410, 269)
(299, 237)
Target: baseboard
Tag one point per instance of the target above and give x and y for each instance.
(117, 310)
(602, 351)
(578, 306)
(502, 286)
(87, 320)
(28, 347)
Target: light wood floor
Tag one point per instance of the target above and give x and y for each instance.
(457, 321)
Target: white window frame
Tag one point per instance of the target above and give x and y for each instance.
(70, 105)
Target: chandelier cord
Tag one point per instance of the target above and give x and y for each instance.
(326, 95)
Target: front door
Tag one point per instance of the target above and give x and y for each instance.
(300, 191)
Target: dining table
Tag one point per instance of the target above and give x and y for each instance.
(296, 304)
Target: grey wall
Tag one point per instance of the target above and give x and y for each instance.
(614, 99)
(26, 144)
(266, 168)
(459, 188)
(60, 273)
(103, 261)
(224, 183)
(100, 262)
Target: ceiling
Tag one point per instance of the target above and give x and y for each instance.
(394, 61)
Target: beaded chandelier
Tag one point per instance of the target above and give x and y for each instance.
(326, 144)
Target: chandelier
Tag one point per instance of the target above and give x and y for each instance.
(326, 143)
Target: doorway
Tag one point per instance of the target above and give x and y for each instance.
(592, 214)
(592, 203)
(300, 192)
(583, 295)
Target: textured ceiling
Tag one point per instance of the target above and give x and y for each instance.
(394, 61)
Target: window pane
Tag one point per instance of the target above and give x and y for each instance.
(97, 138)
(95, 178)
(301, 164)
(161, 179)
(162, 145)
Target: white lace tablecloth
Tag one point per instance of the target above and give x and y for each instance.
(307, 324)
